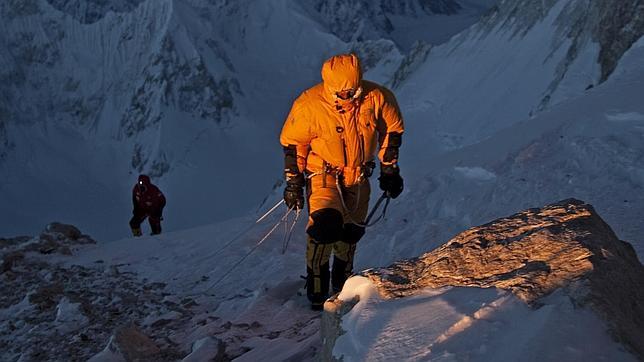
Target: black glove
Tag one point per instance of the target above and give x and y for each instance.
(390, 180)
(294, 192)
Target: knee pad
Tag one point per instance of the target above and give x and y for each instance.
(327, 226)
(352, 233)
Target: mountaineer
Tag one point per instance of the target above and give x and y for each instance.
(330, 140)
(148, 202)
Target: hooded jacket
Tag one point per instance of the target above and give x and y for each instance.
(346, 134)
(146, 197)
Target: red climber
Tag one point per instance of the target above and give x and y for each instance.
(148, 201)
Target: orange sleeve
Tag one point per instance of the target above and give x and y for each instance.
(390, 122)
(297, 129)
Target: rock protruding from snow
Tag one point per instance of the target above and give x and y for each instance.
(128, 344)
(45, 298)
(68, 231)
(56, 238)
(533, 253)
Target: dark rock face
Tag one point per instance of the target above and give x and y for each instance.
(91, 11)
(533, 253)
(621, 25)
(361, 20)
(614, 24)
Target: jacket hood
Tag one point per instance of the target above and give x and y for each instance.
(341, 72)
(144, 179)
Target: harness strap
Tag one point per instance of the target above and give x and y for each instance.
(365, 224)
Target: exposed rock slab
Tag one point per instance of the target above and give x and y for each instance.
(533, 253)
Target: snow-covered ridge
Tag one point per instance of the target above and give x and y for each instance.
(615, 26)
(588, 148)
(520, 59)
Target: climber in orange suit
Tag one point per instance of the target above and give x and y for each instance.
(330, 139)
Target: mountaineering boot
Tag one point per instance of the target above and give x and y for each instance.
(136, 232)
(317, 306)
(155, 225)
(339, 274)
(317, 286)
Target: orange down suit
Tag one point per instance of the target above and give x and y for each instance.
(336, 140)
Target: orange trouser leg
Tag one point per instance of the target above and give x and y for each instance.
(331, 230)
(317, 271)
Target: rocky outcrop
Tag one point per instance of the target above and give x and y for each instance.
(361, 20)
(56, 238)
(90, 11)
(128, 344)
(44, 300)
(416, 57)
(533, 253)
(614, 25)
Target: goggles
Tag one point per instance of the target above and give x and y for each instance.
(348, 94)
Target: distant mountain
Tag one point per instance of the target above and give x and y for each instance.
(192, 92)
(362, 20)
(520, 59)
(90, 11)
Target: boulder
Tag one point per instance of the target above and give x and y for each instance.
(564, 246)
(128, 344)
(68, 231)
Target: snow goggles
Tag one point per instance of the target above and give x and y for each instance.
(347, 94)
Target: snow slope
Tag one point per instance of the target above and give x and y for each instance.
(473, 152)
(238, 281)
(456, 324)
(589, 147)
(192, 92)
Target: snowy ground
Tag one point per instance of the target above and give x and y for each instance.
(590, 147)
(470, 324)
(215, 281)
